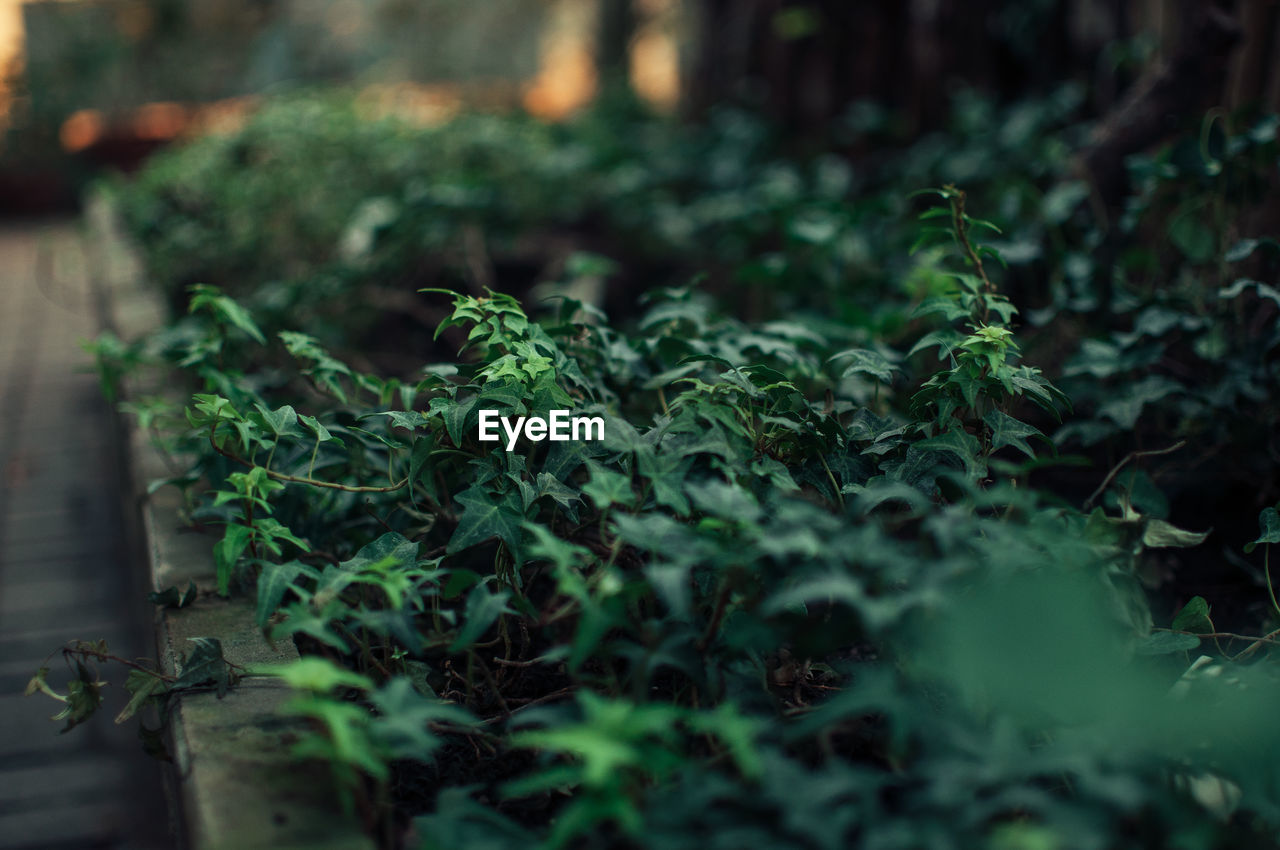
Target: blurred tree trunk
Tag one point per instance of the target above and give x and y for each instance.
(1191, 80)
(1255, 75)
(804, 61)
(616, 29)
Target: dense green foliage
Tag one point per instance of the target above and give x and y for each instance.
(826, 581)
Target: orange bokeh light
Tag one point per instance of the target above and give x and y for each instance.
(81, 130)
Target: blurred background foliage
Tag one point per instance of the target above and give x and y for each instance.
(93, 82)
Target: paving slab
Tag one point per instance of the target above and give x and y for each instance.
(65, 569)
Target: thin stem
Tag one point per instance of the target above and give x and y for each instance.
(1266, 569)
(835, 486)
(1115, 470)
(507, 662)
(493, 686)
(1254, 640)
(1267, 639)
(961, 229)
(717, 615)
(297, 479)
(87, 650)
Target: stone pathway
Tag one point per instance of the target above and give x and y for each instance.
(66, 568)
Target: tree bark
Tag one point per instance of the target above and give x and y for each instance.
(1191, 81)
(613, 50)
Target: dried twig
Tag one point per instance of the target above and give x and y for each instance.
(1119, 466)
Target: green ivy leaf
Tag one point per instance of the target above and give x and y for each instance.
(210, 297)
(141, 686)
(274, 582)
(482, 610)
(270, 530)
(945, 339)
(171, 597)
(1164, 643)
(460, 417)
(737, 731)
(1189, 231)
(227, 551)
(866, 362)
(1160, 534)
(1194, 617)
(391, 546)
(1125, 409)
(321, 432)
(487, 515)
(39, 684)
(608, 487)
(776, 472)
(1007, 431)
(1269, 529)
(548, 485)
(344, 742)
(205, 666)
(84, 697)
(389, 442)
(302, 618)
(282, 421)
(408, 419)
(724, 500)
(666, 473)
(404, 715)
(316, 675)
(961, 445)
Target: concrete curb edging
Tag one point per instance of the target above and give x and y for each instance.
(237, 785)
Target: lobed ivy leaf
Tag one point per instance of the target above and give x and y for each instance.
(205, 666)
(867, 362)
(84, 697)
(608, 487)
(142, 686)
(227, 551)
(487, 515)
(1007, 431)
(1125, 409)
(211, 298)
(548, 485)
(282, 421)
(738, 731)
(317, 675)
(301, 617)
(392, 546)
(407, 419)
(961, 445)
(402, 725)
(274, 581)
(482, 610)
(725, 500)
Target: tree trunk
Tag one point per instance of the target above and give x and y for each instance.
(616, 29)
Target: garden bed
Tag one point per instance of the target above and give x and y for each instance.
(238, 785)
(846, 565)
